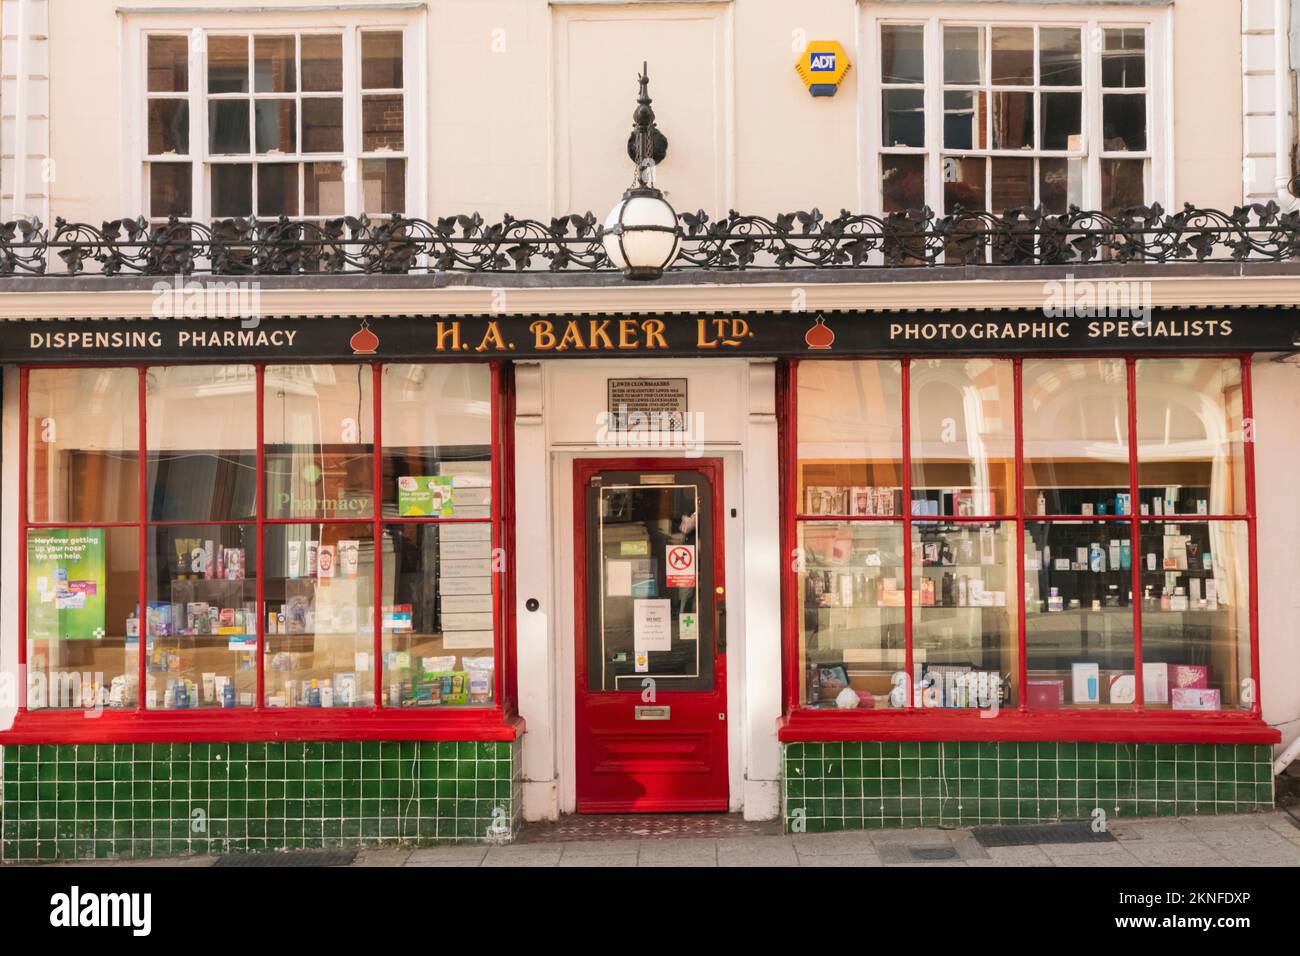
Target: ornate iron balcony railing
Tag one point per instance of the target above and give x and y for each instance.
(804, 240)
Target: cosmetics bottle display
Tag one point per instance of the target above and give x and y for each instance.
(200, 624)
(319, 619)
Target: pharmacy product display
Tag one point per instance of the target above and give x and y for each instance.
(852, 605)
(200, 621)
(438, 597)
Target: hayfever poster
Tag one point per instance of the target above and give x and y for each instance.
(65, 584)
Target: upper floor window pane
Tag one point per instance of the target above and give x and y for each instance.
(169, 68)
(902, 53)
(277, 122)
(1032, 116)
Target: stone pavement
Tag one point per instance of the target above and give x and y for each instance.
(1268, 839)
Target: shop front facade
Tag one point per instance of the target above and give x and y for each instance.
(328, 531)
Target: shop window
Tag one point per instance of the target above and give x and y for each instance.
(1012, 115)
(1135, 542)
(276, 125)
(290, 558)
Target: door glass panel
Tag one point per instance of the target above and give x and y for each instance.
(649, 572)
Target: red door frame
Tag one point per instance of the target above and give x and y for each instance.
(583, 470)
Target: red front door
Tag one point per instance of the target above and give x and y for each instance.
(651, 636)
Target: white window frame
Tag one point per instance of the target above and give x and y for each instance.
(1159, 152)
(351, 23)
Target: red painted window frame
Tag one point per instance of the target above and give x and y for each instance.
(497, 722)
(1018, 723)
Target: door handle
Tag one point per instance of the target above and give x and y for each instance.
(720, 624)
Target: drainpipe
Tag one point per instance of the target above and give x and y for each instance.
(1283, 125)
(1291, 753)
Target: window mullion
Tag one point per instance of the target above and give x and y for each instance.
(351, 121)
(198, 71)
(932, 75)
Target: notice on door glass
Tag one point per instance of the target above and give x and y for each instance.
(681, 565)
(618, 577)
(652, 625)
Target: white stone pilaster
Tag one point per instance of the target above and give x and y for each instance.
(26, 167)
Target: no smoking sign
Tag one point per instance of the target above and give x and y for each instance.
(681, 565)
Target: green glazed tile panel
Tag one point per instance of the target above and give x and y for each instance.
(843, 786)
(89, 801)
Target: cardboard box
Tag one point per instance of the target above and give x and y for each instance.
(1046, 694)
(1194, 698)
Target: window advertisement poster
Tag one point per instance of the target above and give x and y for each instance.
(424, 496)
(65, 584)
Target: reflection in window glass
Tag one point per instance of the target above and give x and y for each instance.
(1196, 616)
(437, 433)
(964, 622)
(1060, 60)
(383, 185)
(963, 55)
(437, 615)
(276, 126)
(1076, 437)
(1123, 58)
(227, 58)
(903, 117)
(169, 127)
(200, 619)
(322, 62)
(1123, 185)
(381, 61)
(232, 189)
(320, 615)
(850, 434)
(319, 435)
(963, 436)
(274, 65)
(963, 183)
(1062, 120)
(83, 637)
(851, 605)
(1124, 122)
(1079, 614)
(963, 119)
(171, 190)
(902, 182)
(1013, 120)
(1013, 56)
(169, 64)
(1189, 422)
(202, 442)
(83, 445)
(902, 57)
(1013, 183)
(1060, 184)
